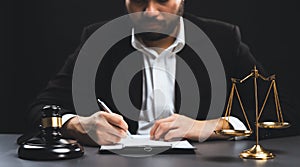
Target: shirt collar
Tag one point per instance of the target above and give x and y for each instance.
(174, 48)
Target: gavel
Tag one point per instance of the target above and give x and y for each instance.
(50, 145)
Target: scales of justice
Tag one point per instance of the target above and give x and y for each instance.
(257, 151)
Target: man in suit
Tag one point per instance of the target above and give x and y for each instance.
(108, 128)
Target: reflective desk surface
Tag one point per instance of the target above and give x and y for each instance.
(210, 153)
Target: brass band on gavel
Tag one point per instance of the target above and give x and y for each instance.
(55, 122)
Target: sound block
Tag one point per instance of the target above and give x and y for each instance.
(39, 149)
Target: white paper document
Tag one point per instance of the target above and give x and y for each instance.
(144, 140)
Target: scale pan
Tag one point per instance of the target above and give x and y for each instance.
(230, 132)
(274, 125)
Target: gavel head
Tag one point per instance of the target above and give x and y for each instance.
(51, 123)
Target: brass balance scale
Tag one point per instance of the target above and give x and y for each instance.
(257, 151)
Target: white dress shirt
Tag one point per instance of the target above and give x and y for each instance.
(158, 80)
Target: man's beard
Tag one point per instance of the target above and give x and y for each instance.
(151, 36)
(154, 36)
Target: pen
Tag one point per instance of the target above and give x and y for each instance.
(104, 106)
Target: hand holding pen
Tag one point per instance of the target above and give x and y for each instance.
(104, 106)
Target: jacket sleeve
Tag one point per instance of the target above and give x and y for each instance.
(59, 89)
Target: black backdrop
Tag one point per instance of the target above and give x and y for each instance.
(38, 35)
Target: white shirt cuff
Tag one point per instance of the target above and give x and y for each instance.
(66, 117)
(237, 125)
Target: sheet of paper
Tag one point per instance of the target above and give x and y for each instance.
(144, 140)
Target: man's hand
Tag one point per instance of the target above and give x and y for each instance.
(98, 129)
(179, 126)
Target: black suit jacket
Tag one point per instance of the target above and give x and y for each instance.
(235, 55)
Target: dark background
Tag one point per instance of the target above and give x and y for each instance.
(37, 36)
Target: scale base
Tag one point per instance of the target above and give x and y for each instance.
(257, 152)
